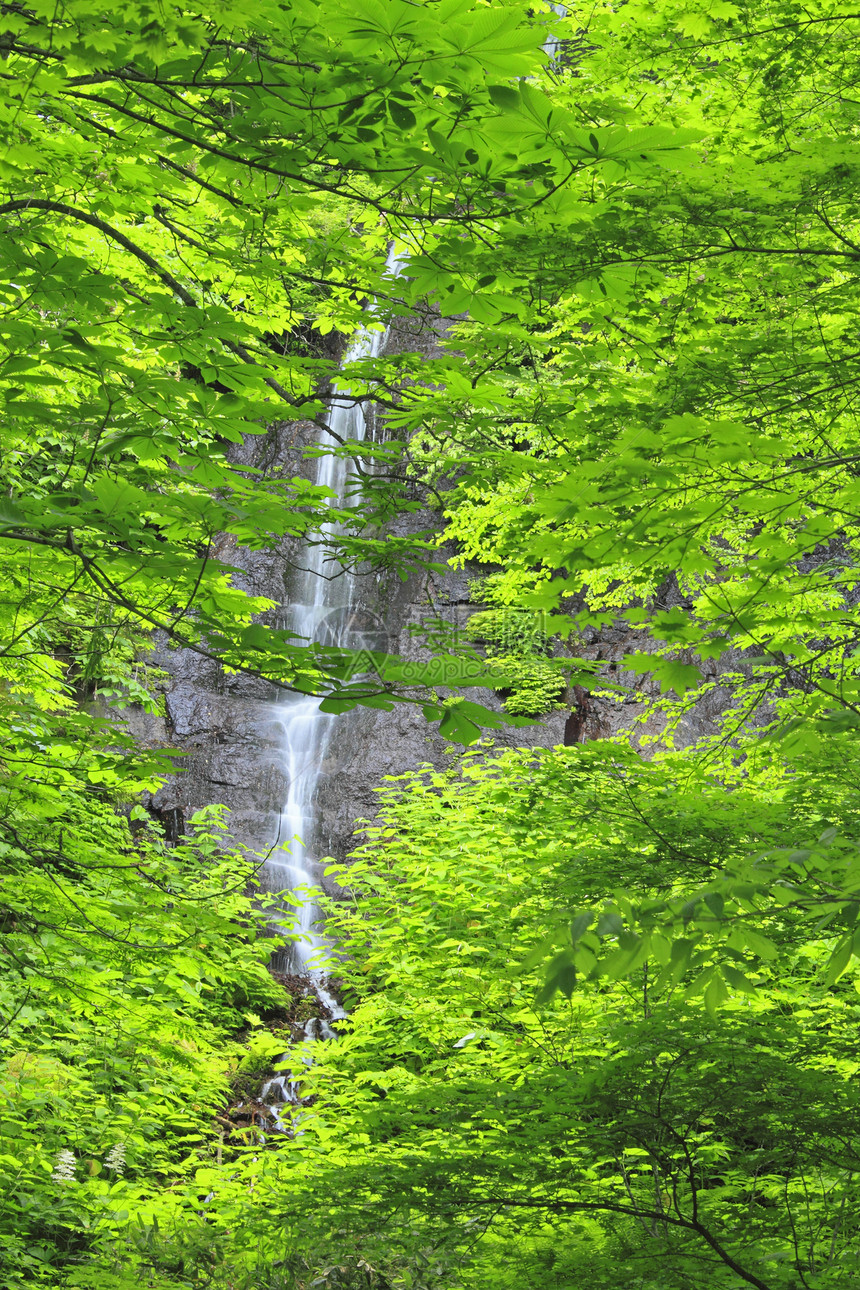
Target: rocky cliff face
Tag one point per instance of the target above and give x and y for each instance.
(230, 728)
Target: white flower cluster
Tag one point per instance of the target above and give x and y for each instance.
(64, 1168)
(115, 1159)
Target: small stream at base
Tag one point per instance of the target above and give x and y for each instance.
(323, 609)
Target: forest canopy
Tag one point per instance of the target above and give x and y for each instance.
(602, 998)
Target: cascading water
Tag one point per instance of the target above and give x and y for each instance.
(320, 612)
(324, 597)
(553, 44)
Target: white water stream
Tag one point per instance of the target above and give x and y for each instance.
(322, 610)
(553, 44)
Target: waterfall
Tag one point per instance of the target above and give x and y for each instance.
(321, 610)
(553, 44)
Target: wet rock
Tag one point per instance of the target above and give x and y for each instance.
(230, 728)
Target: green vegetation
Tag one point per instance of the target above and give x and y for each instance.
(518, 647)
(603, 999)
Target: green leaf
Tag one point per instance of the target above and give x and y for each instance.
(715, 994)
(504, 96)
(715, 903)
(402, 116)
(579, 925)
(839, 960)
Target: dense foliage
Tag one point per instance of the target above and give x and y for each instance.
(602, 1001)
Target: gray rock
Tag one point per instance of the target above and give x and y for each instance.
(229, 728)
